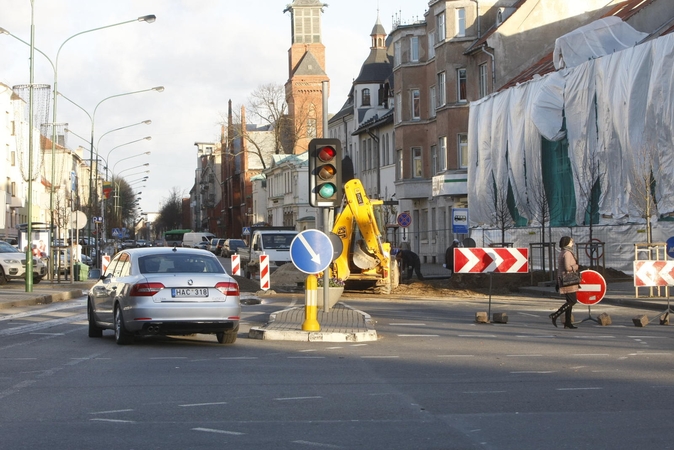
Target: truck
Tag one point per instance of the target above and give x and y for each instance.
(365, 262)
(272, 241)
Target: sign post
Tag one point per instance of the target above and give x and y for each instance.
(591, 291)
(311, 251)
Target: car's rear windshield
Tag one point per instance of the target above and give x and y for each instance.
(179, 263)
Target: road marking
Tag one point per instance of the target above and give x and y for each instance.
(526, 336)
(484, 392)
(456, 356)
(112, 412)
(524, 356)
(114, 420)
(167, 357)
(212, 430)
(238, 357)
(306, 357)
(316, 444)
(478, 335)
(535, 371)
(408, 324)
(530, 315)
(594, 337)
(418, 335)
(33, 327)
(580, 389)
(190, 405)
(379, 357)
(283, 399)
(649, 354)
(590, 354)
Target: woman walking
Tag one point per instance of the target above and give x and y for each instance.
(566, 263)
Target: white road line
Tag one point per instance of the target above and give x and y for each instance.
(33, 327)
(42, 311)
(456, 356)
(308, 350)
(580, 389)
(380, 357)
(478, 335)
(590, 354)
(167, 357)
(594, 337)
(115, 411)
(190, 405)
(211, 430)
(418, 335)
(649, 354)
(283, 399)
(316, 444)
(526, 336)
(530, 315)
(114, 420)
(648, 337)
(524, 356)
(408, 324)
(306, 357)
(535, 371)
(484, 392)
(238, 357)
(333, 348)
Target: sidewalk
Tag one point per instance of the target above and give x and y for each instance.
(14, 293)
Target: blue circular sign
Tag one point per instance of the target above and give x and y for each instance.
(404, 219)
(670, 247)
(311, 251)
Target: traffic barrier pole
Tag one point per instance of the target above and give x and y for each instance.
(264, 272)
(236, 265)
(311, 305)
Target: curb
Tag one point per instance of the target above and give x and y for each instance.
(44, 299)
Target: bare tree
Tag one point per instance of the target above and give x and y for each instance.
(170, 214)
(588, 176)
(500, 213)
(644, 170)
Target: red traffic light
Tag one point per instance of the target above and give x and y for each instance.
(326, 154)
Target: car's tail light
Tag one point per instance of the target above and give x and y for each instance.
(228, 287)
(145, 289)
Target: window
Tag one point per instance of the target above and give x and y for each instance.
(433, 104)
(13, 189)
(461, 85)
(416, 104)
(435, 164)
(414, 49)
(460, 22)
(311, 128)
(397, 54)
(12, 158)
(399, 108)
(363, 156)
(431, 45)
(423, 224)
(463, 151)
(440, 23)
(365, 101)
(417, 167)
(442, 153)
(399, 164)
(442, 92)
(482, 70)
(307, 25)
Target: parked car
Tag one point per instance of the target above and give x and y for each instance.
(215, 245)
(202, 245)
(230, 246)
(164, 291)
(158, 243)
(13, 265)
(128, 243)
(142, 243)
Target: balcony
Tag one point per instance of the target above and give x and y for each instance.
(455, 184)
(413, 188)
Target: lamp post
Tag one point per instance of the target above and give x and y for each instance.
(117, 182)
(147, 19)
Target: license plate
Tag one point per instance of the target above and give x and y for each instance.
(189, 292)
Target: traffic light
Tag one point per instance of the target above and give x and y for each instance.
(325, 172)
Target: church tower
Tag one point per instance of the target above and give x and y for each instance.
(306, 74)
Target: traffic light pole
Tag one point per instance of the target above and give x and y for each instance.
(326, 211)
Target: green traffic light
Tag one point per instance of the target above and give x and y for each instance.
(327, 190)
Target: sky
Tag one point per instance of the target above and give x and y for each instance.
(203, 52)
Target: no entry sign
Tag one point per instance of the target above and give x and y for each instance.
(592, 287)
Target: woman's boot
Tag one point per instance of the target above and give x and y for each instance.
(555, 315)
(567, 318)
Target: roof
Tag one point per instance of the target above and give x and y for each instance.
(309, 66)
(375, 121)
(377, 67)
(546, 65)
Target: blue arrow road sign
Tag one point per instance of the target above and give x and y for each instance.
(311, 251)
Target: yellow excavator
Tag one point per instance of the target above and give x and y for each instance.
(366, 261)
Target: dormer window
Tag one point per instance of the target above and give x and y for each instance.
(365, 100)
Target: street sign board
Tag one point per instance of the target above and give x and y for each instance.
(245, 231)
(116, 233)
(670, 247)
(653, 273)
(592, 287)
(485, 260)
(311, 251)
(460, 220)
(404, 219)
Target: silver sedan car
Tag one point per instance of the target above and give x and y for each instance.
(164, 291)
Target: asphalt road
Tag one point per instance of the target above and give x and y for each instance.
(434, 380)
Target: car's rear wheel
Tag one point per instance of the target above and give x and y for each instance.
(36, 279)
(94, 330)
(122, 337)
(227, 337)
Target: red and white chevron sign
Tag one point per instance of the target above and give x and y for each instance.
(485, 260)
(654, 273)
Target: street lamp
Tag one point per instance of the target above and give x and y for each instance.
(148, 19)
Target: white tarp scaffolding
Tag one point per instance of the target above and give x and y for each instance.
(618, 102)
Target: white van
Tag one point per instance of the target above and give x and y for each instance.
(193, 240)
